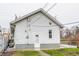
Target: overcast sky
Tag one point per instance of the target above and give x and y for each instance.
(65, 12)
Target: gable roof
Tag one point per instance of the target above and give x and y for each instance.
(36, 11)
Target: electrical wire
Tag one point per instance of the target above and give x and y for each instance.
(51, 7)
(45, 5)
(71, 23)
(56, 25)
(46, 11)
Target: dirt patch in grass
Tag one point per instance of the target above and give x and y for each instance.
(7, 53)
(27, 53)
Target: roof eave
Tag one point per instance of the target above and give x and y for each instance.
(39, 10)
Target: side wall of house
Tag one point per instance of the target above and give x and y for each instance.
(39, 25)
(20, 35)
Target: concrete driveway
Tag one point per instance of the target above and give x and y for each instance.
(67, 46)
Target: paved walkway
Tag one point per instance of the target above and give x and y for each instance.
(43, 53)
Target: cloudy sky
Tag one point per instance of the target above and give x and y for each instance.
(64, 12)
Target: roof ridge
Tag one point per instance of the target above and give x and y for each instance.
(36, 11)
(25, 15)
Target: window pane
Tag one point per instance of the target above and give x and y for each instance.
(50, 33)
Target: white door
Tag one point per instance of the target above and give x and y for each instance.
(37, 42)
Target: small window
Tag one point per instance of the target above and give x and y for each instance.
(0, 30)
(50, 23)
(37, 35)
(50, 33)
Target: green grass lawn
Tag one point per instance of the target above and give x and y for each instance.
(63, 52)
(53, 52)
(26, 53)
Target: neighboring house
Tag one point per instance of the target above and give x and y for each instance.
(1, 39)
(36, 30)
(4, 36)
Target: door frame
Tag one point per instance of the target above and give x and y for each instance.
(37, 42)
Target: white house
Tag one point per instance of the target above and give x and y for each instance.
(36, 30)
